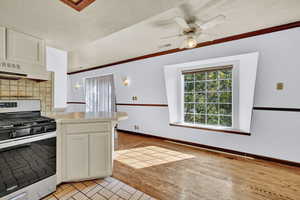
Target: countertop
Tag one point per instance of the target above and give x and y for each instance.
(77, 117)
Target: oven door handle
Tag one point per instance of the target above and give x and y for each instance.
(26, 140)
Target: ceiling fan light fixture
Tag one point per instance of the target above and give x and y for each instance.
(190, 42)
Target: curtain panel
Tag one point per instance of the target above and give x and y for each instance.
(100, 94)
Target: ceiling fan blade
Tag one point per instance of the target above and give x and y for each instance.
(171, 36)
(212, 22)
(163, 23)
(187, 11)
(211, 34)
(210, 4)
(205, 37)
(182, 23)
(164, 46)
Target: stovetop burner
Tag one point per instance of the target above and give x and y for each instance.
(30, 121)
(5, 124)
(19, 119)
(20, 124)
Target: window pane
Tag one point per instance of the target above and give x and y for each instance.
(189, 77)
(208, 97)
(212, 120)
(225, 121)
(212, 109)
(200, 86)
(200, 119)
(225, 97)
(200, 76)
(212, 97)
(212, 85)
(189, 87)
(225, 109)
(189, 97)
(200, 108)
(225, 85)
(200, 97)
(225, 74)
(189, 118)
(212, 75)
(189, 108)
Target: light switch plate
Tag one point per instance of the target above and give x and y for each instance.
(279, 86)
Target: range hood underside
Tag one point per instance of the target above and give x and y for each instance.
(12, 75)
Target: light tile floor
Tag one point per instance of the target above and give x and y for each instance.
(149, 156)
(100, 189)
(113, 189)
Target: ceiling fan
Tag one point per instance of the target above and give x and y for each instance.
(191, 27)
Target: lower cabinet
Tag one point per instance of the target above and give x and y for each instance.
(77, 158)
(86, 152)
(99, 162)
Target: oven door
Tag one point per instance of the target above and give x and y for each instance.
(26, 161)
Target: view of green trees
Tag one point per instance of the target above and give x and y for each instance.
(208, 97)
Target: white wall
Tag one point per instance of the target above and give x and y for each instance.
(274, 133)
(57, 62)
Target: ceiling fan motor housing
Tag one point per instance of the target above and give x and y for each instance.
(191, 30)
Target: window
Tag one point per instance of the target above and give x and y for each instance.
(215, 94)
(208, 96)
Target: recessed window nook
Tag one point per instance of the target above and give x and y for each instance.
(213, 95)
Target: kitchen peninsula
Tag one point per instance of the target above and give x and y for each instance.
(85, 144)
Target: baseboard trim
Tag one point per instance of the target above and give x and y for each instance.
(275, 160)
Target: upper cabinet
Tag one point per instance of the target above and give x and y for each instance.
(22, 53)
(2, 43)
(25, 48)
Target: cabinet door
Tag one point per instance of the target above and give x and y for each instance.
(24, 48)
(2, 43)
(77, 157)
(100, 161)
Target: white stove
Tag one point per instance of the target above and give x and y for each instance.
(27, 151)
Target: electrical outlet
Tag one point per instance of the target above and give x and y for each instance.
(134, 98)
(136, 127)
(279, 86)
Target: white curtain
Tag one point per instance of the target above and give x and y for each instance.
(100, 94)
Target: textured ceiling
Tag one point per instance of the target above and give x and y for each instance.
(113, 30)
(144, 38)
(66, 28)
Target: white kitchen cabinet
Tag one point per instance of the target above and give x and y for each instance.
(85, 144)
(77, 156)
(23, 54)
(2, 43)
(84, 151)
(25, 48)
(99, 150)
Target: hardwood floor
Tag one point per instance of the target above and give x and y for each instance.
(187, 173)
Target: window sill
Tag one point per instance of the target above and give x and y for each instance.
(207, 128)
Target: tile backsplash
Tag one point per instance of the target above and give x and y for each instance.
(28, 89)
